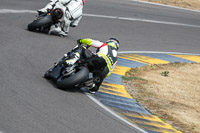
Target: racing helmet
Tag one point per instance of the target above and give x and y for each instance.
(113, 42)
(57, 13)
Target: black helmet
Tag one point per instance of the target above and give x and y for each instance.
(113, 42)
(58, 13)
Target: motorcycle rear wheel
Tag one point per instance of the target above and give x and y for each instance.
(45, 21)
(78, 77)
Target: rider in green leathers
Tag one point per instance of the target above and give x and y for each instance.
(105, 57)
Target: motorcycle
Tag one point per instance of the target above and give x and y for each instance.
(44, 21)
(76, 75)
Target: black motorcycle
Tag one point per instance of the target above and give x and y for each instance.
(44, 21)
(77, 75)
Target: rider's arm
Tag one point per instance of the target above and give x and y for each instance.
(91, 42)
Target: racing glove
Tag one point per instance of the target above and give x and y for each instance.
(79, 41)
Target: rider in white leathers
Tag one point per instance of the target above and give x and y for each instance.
(73, 14)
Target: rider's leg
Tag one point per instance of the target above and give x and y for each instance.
(73, 58)
(66, 25)
(98, 79)
(74, 55)
(56, 29)
(61, 28)
(75, 22)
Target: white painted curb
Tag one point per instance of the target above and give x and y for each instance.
(155, 52)
(113, 113)
(111, 17)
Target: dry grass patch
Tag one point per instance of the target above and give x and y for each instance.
(171, 91)
(191, 4)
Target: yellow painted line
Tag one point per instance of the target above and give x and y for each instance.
(142, 59)
(114, 89)
(121, 70)
(160, 130)
(155, 122)
(142, 116)
(144, 121)
(188, 57)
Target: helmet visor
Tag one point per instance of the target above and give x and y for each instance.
(112, 44)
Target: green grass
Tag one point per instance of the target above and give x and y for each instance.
(131, 78)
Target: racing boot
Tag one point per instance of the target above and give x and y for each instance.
(93, 88)
(75, 22)
(56, 30)
(73, 59)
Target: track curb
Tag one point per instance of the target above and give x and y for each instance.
(113, 95)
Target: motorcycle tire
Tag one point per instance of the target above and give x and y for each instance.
(78, 77)
(45, 21)
(47, 75)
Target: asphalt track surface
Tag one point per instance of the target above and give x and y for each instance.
(30, 104)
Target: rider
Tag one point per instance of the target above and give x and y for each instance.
(103, 61)
(74, 10)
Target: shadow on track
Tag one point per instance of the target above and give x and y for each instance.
(74, 90)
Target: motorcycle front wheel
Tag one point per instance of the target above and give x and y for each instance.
(47, 75)
(45, 21)
(69, 82)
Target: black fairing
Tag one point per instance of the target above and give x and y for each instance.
(55, 72)
(70, 76)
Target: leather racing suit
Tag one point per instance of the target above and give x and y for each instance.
(105, 55)
(73, 15)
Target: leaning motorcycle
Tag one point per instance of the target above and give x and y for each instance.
(44, 21)
(76, 75)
